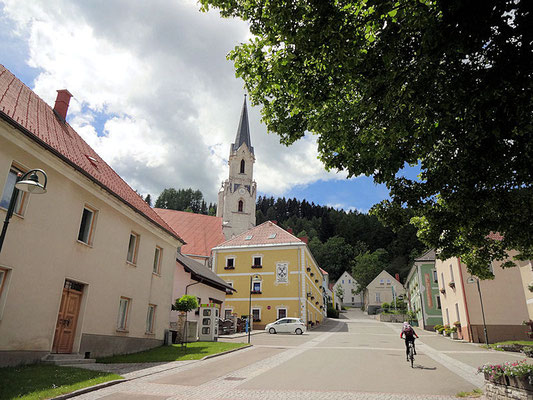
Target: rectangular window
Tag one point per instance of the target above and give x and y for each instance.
(439, 306)
(157, 260)
(150, 318)
(85, 234)
(227, 313)
(382, 281)
(230, 263)
(388, 281)
(3, 278)
(343, 281)
(256, 288)
(457, 312)
(451, 274)
(256, 314)
(378, 297)
(123, 311)
(22, 198)
(282, 313)
(258, 262)
(442, 280)
(133, 247)
(435, 276)
(447, 317)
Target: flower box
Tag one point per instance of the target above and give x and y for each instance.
(452, 285)
(443, 290)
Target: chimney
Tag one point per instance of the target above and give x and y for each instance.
(61, 106)
(397, 276)
(274, 222)
(304, 239)
(289, 230)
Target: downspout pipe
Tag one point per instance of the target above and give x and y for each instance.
(465, 301)
(184, 341)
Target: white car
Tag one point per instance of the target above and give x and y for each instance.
(286, 325)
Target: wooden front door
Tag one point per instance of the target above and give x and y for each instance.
(67, 318)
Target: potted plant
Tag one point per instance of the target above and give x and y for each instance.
(453, 333)
(457, 324)
(452, 285)
(517, 374)
(443, 291)
(437, 327)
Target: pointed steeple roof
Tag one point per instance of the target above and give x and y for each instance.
(243, 132)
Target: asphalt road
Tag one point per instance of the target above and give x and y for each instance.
(355, 357)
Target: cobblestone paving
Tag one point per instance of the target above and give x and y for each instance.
(226, 387)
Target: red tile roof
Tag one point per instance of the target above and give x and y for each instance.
(201, 232)
(323, 272)
(264, 234)
(27, 112)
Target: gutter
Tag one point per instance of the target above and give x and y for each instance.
(46, 146)
(464, 296)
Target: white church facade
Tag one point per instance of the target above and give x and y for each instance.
(237, 196)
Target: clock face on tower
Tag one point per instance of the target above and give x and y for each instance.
(242, 191)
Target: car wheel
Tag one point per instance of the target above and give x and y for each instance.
(271, 331)
(298, 331)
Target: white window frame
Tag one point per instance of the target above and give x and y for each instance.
(134, 252)
(233, 262)
(260, 286)
(226, 310)
(123, 313)
(435, 276)
(150, 322)
(447, 317)
(382, 282)
(457, 312)
(5, 276)
(92, 224)
(158, 255)
(451, 273)
(259, 312)
(23, 197)
(378, 297)
(438, 302)
(279, 309)
(260, 261)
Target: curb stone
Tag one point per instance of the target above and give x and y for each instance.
(117, 381)
(226, 352)
(89, 389)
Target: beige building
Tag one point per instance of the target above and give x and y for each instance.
(381, 290)
(526, 272)
(87, 267)
(504, 303)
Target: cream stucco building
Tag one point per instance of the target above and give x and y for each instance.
(504, 302)
(87, 267)
(383, 289)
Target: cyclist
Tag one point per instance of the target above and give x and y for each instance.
(409, 334)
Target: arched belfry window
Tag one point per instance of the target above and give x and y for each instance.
(242, 166)
(241, 205)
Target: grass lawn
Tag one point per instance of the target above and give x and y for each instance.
(494, 346)
(40, 381)
(193, 351)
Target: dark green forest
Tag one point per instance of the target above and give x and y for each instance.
(339, 240)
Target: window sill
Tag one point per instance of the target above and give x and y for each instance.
(21, 216)
(131, 264)
(229, 267)
(256, 292)
(122, 330)
(257, 266)
(149, 333)
(84, 244)
(156, 274)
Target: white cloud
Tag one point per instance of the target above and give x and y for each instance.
(154, 79)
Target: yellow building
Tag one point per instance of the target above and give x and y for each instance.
(283, 276)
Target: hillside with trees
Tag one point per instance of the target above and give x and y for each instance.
(339, 240)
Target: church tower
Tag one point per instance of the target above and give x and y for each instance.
(236, 198)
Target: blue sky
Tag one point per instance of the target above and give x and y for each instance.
(156, 97)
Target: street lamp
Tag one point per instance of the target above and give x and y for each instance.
(253, 278)
(29, 182)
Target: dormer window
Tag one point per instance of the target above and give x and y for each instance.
(241, 205)
(242, 166)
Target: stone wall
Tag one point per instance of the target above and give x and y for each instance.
(494, 391)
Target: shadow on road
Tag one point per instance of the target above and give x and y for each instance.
(418, 366)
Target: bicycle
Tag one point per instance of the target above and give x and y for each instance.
(412, 353)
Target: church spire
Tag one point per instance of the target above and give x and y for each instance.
(243, 132)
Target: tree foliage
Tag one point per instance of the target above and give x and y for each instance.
(367, 266)
(185, 303)
(446, 85)
(184, 200)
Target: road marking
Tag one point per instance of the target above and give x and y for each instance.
(459, 368)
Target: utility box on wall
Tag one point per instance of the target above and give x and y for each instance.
(208, 323)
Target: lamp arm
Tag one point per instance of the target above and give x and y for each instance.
(32, 171)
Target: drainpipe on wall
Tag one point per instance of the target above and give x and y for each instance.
(420, 294)
(464, 297)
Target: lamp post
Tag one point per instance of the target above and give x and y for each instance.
(29, 182)
(482, 314)
(253, 278)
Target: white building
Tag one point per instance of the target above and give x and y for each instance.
(236, 198)
(348, 286)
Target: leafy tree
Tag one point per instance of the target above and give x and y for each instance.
(181, 200)
(185, 303)
(335, 256)
(339, 292)
(445, 85)
(367, 266)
